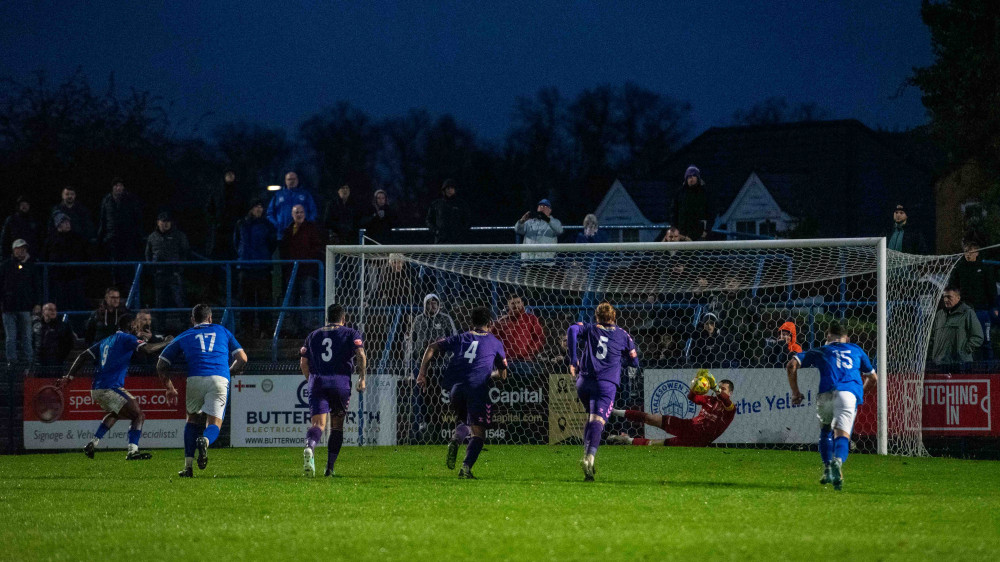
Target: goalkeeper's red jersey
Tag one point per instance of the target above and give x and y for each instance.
(717, 412)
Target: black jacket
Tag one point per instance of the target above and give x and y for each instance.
(379, 226)
(20, 285)
(19, 226)
(693, 212)
(912, 241)
(53, 342)
(61, 247)
(102, 323)
(120, 220)
(79, 219)
(449, 220)
(977, 281)
(341, 220)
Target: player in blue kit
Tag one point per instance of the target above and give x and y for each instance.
(475, 356)
(327, 361)
(844, 373)
(607, 349)
(210, 350)
(112, 356)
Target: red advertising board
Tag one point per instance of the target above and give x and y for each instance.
(955, 405)
(66, 418)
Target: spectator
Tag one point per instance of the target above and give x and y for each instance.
(80, 218)
(341, 217)
(978, 284)
(19, 297)
(428, 327)
(674, 235)
(53, 338)
(555, 358)
(539, 227)
(302, 240)
(381, 218)
(167, 244)
(65, 245)
(20, 226)
(118, 230)
(228, 211)
(957, 333)
(143, 325)
(104, 321)
(901, 237)
(692, 213)
(279, 210)
(779, 351)
(520, 331)
(711, 346)
(591, 234)
(448, 217)
(254, 239)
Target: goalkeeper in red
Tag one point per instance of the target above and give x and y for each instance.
(717, 412)
(606, 350)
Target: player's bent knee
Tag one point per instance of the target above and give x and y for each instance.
(479, 431)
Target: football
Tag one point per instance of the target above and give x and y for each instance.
(700, 384)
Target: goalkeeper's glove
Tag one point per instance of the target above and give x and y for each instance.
(705, 373)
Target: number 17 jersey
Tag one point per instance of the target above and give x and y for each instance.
(208, 349)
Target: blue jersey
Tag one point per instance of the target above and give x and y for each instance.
(840, 367)
(207, 348)
(606, 350)
(112, 355)
(474, 356)
(330, 350)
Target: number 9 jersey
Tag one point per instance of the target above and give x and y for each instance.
(208, 349)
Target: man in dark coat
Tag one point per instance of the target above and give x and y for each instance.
(448, 217)
(692, 211)
(20, 295)
(20, 225)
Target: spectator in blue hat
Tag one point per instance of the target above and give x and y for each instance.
(539, 227)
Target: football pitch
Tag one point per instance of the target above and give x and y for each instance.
(529, 503)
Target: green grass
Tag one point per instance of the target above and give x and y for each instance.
(529, 504)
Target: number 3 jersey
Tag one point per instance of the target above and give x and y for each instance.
(840, 367)
(330, 350)
(475, 355)
(607, 349)
(208, 349)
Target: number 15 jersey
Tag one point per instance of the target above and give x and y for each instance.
(208, 349)
(840, 367)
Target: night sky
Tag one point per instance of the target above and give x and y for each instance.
(276, 63)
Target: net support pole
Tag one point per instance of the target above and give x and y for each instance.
(883, 372)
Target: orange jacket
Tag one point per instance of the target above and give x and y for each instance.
(793, 345)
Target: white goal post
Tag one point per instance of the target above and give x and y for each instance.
(667, 294)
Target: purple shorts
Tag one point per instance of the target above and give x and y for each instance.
(471, 404)
(329, 394)
(597, 396)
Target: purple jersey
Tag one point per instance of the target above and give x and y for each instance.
(475, 355)
(330, 350)
(606, 350)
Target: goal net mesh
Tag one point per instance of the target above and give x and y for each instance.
(721, 309)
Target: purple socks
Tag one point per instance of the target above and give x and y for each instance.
(461, 433)
(313, 435)
(472, 451)
(592, 437)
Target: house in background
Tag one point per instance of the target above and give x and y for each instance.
(637, 204)
(829, 179)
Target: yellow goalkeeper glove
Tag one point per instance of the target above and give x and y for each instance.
(705, 373)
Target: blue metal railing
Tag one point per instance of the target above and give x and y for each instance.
(133, 301)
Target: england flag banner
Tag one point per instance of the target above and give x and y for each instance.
(273, 411)
(764, 412)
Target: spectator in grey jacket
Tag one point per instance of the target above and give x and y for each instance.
(166, 244)
(426, 328)
(957, 333)
(539, 227)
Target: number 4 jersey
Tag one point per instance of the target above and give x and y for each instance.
(475, 355)
(840, 367)
(330, 350)
(208, 349)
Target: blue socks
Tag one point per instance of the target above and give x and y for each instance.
(472, 451)
(592, 437)
(211, 433)
(826, 444)
(133, 436)
(101, 430)
(333, 448)
(841, 446)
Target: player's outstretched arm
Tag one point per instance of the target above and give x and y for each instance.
(425, 362)
(793, 380)
(163, 371)
(869, 379)
(151, 348)
(239, 363)
(362, 359)
(74, 368)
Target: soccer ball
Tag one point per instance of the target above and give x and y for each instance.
(703, 382)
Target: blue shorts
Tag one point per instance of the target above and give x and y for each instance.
(329, 394)
(597, 396)
(471, 404)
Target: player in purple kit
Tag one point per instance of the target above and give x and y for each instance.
(607, 349)
(327, 361)
(475, 355)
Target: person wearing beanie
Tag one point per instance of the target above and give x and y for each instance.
(427, 327)
(381, 218)
(448, 218)
(539, 227)
(254, 238)
(901, 237)
(692, 212)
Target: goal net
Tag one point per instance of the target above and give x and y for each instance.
(688, 305)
